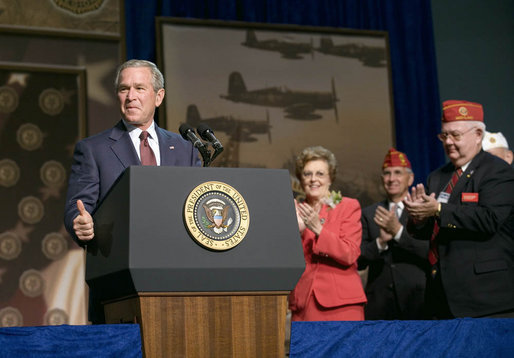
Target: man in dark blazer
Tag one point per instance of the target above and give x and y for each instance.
(467, 214)
(396, 262)
(99, 160)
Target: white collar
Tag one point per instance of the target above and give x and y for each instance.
(136, 131)
(398, 204)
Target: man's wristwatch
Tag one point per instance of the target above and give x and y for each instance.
(438, 212)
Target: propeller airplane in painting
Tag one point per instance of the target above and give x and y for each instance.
(371, 56)
(296, 104)
(241, 130)
(288, 48)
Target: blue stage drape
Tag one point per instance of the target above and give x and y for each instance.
(411, 38)
(452, 338)
(109, 340)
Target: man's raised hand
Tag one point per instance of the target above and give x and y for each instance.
(83, 223)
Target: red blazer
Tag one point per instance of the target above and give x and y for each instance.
(331, 259)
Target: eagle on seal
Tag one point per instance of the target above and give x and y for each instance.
(217, 217)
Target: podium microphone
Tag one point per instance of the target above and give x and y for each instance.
(207, 134)
(187, 132)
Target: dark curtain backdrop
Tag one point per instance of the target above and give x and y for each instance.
(411, 38)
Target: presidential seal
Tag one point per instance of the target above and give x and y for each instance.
(31, 210)
(216, 216)
(79, 7)
(10, 317)
(9, 173)
(51, 101)
(10, 245)
(31, 283)
(56, 317)
(8, 99)
(29, 136)
(53, 174)
(54, 246)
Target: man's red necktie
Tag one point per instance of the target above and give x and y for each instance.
(433, 254)
(147, 155)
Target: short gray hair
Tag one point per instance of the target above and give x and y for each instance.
(479, 124)
(315, 153)
(157, 77)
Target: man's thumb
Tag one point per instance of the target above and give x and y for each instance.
(80, 206)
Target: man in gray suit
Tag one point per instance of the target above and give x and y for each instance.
(397, 262)
(99, 160)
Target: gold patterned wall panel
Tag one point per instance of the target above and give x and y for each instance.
(91, 16)
(42, 114)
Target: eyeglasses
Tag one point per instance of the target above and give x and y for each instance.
(319, 175)
(455, 135)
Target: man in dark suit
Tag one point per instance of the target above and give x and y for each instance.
(468, 218)
(397, 262)
(99, 160)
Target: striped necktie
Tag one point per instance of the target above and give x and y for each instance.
(433, 254)
(398, 210)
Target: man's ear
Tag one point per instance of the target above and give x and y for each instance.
(159, 97)
(411, 178)
(480, 134)
(509, 156)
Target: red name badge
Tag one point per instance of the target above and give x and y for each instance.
(469, 197)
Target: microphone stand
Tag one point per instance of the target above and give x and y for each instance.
(206, 156)
(187, 132)
(217, 151)
(207, 135)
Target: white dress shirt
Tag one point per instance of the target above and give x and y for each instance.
(153, 141)
(399, 210)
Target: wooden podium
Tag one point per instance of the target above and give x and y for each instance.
(191, 301)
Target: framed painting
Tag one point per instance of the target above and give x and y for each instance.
(268, 91)
(74, 18)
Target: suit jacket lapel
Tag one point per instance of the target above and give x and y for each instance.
(444, 178)
(166, 146)
(123, 147)
(374, 228)
(404, 217)
(385, 205)
(466, 176)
